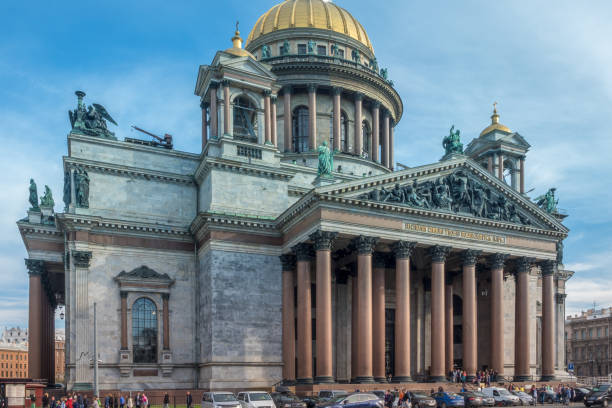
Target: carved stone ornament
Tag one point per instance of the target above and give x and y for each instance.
(143, 273)
(497, 261)
(523, 265)
(403, 249)
(364, 245)
(288, 262)
(459, 192)
(548, 267)
(470, 257)
(90, 121)
(439, 253)
(323, 240)
(81, 259)
(560, 298)
(35, 266)
(303, 252)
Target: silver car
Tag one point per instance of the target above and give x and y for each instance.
(219, 399)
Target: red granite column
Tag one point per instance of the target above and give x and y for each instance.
(226, 108)
(385, 140)
(522, 169)
(378, 318)
(548, 321)
(273, 121)
(323, 241)
(288, 312)
(522, 370)
(124, 328)
(438, 361)
(312, 117)
(449, 324)
(166, 322)
(288, 136)
(303, 254)
(45, 335)
(364, 246)
(337, 136)
(375, 131)
(354, 328)
(469, 316)
(490, 164)
(358, 120)
(203, 106)
(267, 114)
(391, 141)
(52, 344)
(500, 166)
(402, 250)
(497, 313)
(214, 114)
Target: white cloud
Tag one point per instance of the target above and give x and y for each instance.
(583, 293)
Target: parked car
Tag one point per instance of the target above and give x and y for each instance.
(255, 399)
(486, 400)
(448, 399)
(329, 394)
(580, 394)
(470, 399)
(546, 396)
(502, 396)
(357, 400)
(525, 398)
(287, 400)
(218, 399)
(421, 400)
(313, 401)
(599, 395)
(380, 394)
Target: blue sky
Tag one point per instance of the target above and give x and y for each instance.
(546, 63)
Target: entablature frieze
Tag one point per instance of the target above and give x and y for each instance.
(239, 167)
(78, 222)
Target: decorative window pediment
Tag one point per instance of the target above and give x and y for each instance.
(144, 276)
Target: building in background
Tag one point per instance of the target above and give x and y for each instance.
(60, 355)
(588, 342)
(14, 335)
(13, 361)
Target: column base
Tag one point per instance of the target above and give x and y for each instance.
(522, 378)
(437, 378)
(364, 380)
(401, 379)
(304, 381)
(288, 382)
(324, 379)
(547, 377)
(380, 380)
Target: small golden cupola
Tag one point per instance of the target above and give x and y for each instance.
(495, 125)
(237, 49)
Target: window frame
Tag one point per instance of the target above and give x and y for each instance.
(300, 129)
(155, 352)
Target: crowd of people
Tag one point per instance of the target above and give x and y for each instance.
(483, 376)
(109, 401)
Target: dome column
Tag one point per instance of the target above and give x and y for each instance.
(391, 138)
(358, 119)
(204, 107)
(500, 166)
(287, 118)
(214, 114)
(375, 131)
(267, 130)
(385, 140)
(226, 108)
(522, 175)
(337, 120)
(273, 121)
(312, 117)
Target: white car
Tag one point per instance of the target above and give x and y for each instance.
(256, 399)
(219, 399)
(502, 396)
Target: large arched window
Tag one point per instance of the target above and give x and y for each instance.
(300, 129)
(366, 135)
(144, 331)
(245, 119)
(344, 123)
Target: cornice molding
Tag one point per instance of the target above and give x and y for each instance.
(239, 167)
(74, 222)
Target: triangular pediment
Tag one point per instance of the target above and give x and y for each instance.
(245, 65)
(457, 187)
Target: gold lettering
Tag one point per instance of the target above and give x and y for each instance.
(475, 236)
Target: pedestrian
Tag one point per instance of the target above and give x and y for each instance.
(130, 402)
(189, 399)
(144, 401)
(45, 400)
(166, 400)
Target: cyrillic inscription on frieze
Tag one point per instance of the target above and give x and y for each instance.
(453, 233)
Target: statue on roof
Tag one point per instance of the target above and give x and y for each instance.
(91, 121)
(265, 51)
(326, 160)
(311, 46)
(285, 48)
(452, 142)
(548, 202)
(33, 199)
(47, 199)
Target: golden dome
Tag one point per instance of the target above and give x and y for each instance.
(319, 14)
(495, 125)
(237, 49)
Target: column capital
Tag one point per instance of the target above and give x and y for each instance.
(376, 105)
(523, 265)
(497, 260)
(203, 105)
(273, 99)
(364, 245)
(225, 83)
(214, 85)
(470, 257)
(267, 92)
(439, 253)
(386, 114)
(336, 90)
(288, 262)
(303, 252)
(123, 294)
(312, 88)
(548, 267)
(35, 267)
(287, 90)
(81, 259)
(323, 240)
(403, 249)
(379, 260)
(560, 298)
(358, 96)
(165, 296)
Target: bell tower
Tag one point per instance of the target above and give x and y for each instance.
(501, 151)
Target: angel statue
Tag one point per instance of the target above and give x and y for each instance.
(452, 142)
(47, 199)
(33, 196)
(548, 202)
(91, 121)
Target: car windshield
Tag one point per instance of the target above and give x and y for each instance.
(420, 396)
(337, 399)
(224, 397)
(503, 391)
(260, 396)
(601, 388)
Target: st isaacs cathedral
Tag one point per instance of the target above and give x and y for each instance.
(291, 248)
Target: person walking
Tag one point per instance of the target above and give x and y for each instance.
(121, 401)
(166, 400)
(130, 402)
(189, 399)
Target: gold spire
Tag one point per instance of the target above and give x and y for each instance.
(236, 39)
(495, 125)
(237, 45)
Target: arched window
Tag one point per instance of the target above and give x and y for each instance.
(245, 119)
(144, 331)
(300, 129)
(366, 134)
(343, 132)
